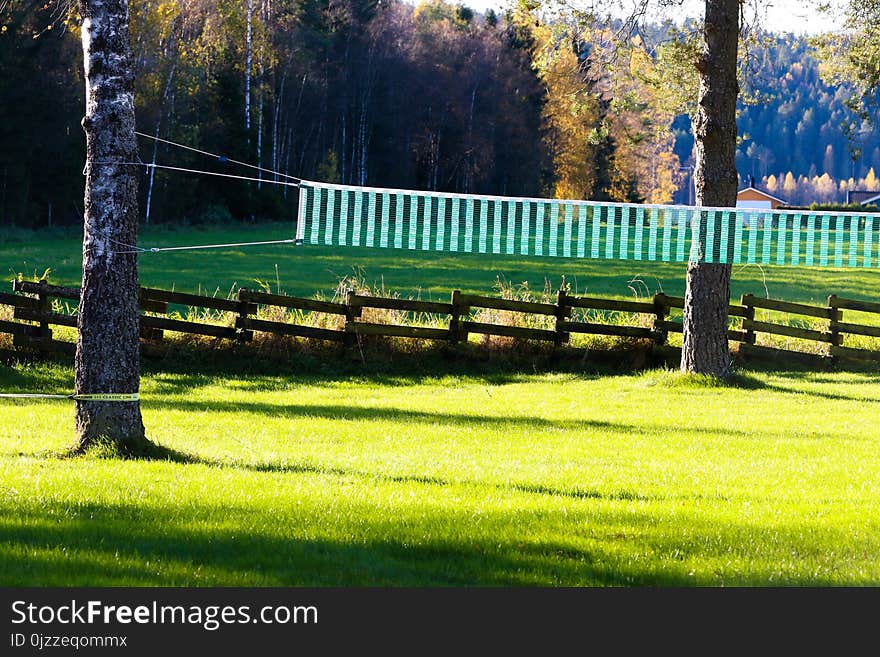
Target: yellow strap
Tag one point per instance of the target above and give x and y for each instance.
(108, 397)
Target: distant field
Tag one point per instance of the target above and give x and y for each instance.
(309, 270)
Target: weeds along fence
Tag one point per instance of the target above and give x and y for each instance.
(758, 326)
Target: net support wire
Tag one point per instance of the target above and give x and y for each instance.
(167, 167)
(131, 248)
(160, 249)
(221, 158)
(292, 182)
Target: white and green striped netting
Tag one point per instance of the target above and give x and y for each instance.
(339, 215)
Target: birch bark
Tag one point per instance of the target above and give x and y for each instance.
(107, 350)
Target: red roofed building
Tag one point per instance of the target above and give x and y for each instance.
(755, 198)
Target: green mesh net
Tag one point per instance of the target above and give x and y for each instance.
(338, 215)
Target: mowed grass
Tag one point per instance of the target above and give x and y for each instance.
(506, 479)
(538, 479)
(310, 270)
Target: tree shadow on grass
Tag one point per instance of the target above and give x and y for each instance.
(201, 366)
(172, 383)
(851, 378)
(126, 544)
(170, 455)
(746, 381)
(821, 394)
(519, 487)
(340, 412)
(123, 544)
(36, 379)
(383, 362)
(675, 379)
(144, 451)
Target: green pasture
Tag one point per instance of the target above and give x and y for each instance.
(309, 270)
(454, 475)
(505, 479)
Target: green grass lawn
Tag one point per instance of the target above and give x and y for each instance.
(308, 270)
(400, 479)
(546, 479)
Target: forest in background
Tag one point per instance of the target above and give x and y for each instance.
(382, 93)
(800, 139)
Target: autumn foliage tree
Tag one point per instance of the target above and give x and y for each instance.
(851, 55)
(357, 90)
(606, 133)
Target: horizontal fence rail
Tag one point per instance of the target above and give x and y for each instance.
(39, 306)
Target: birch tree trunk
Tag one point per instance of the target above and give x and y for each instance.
(705, 348)
(107, 350)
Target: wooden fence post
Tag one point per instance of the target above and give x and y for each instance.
(352, 312)
(835, 315)
(661, 310)
(749, 318)
(243, 335)
(44, 307)
(563, 312)
(456, 335)
(146, 304)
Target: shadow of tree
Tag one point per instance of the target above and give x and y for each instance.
(355, 413)
(119, 544)
(522, 487)
(833, 396)
(166, 382)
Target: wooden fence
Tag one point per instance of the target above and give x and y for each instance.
(37, 307)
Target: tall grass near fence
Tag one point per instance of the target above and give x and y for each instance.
(367, 317)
